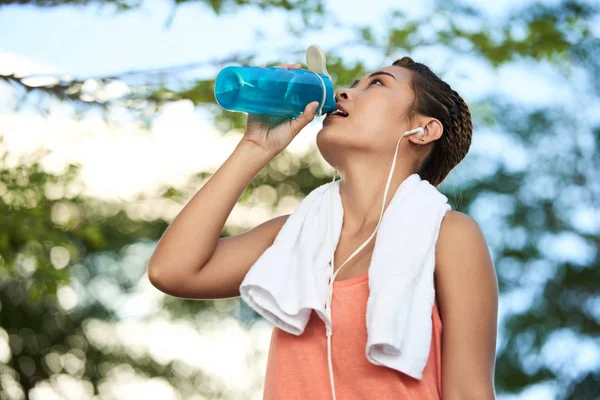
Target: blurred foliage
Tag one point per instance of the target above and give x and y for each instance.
(306, 7)
(50, 236)
(53, 237)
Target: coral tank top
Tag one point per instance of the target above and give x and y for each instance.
(298, 368)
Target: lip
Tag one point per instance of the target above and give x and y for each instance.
(339, 106)
(330, 117)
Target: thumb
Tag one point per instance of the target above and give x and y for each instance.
(304, 119)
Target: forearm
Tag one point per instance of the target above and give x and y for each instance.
(190, 240)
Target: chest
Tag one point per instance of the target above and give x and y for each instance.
(359, 264)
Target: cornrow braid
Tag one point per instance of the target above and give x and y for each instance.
(435, 98)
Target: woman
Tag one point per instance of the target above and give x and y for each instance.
(192, 261)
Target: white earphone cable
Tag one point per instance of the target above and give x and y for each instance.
(329, 329)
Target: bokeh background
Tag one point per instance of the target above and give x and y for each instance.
(108, 126)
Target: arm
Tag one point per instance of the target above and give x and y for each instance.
(467, 291)
(190, 259)
(191, 239)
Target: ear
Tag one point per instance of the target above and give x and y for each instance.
(433, 131)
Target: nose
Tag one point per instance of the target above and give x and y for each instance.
(342, 93)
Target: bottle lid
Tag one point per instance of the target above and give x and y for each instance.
(315, 60)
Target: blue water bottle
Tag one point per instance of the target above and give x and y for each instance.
(277, 91)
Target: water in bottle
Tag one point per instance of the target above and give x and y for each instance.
(276, 91)
(273, 91)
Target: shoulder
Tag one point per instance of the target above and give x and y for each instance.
(463, 258)
(461, 244)
(458, 231)
(457, 220)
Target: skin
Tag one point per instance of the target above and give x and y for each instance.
(361, 148)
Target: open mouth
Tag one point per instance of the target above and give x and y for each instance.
(338, 112)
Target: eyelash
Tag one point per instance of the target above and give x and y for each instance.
(370, 83)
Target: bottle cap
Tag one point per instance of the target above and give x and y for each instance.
(315, 60)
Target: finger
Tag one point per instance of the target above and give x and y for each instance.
(285, 66)
(296, 66)
(304, 119)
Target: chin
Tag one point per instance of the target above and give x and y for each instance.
(328, 142)
(335, 143)
(338, 138)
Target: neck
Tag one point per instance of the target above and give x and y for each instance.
(362, 197)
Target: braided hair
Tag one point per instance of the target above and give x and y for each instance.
(435, 98)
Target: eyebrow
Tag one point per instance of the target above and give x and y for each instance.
(372, 75)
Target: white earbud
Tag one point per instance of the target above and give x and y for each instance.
(419, 131)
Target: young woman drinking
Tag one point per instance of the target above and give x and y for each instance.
(192, 261)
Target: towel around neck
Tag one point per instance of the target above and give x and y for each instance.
(290, 278)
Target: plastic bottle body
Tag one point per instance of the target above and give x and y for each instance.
(272, 91)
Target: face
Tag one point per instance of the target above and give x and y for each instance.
(376, 106)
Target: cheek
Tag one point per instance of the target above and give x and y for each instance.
(379, 115)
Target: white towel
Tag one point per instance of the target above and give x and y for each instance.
(290, 279)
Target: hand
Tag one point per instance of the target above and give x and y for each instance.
(273, 134)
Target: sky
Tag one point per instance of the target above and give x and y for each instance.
(90, 41)
(118, 162)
